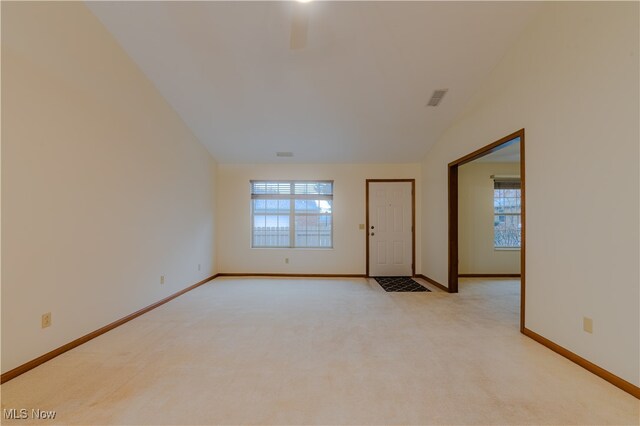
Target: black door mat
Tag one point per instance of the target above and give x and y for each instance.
(399, 284)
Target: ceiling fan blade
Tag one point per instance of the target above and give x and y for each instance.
(299, 27)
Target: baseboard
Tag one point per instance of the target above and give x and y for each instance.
(11, 374)
(489, 275)
(588, 365)
(261, 274)
(434, 282)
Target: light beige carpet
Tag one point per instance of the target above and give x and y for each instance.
(294, 351)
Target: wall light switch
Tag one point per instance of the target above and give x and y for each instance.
(587, 324)
(286, 260)
(361, 226)
(161, 279)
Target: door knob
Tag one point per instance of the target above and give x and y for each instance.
(372, 234)
(372, 226)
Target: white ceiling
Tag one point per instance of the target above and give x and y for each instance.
(508, 154)
(355, 94)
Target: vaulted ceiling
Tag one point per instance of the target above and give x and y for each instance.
(356, 93)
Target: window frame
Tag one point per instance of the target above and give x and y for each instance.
(291, 197)
(496, 214)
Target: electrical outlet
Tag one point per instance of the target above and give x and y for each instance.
(587, 324)
(46, 320)
(286, 260)
(199, 266)
(161, 279)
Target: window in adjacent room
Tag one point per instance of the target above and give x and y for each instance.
(507, 223)
(291, 214)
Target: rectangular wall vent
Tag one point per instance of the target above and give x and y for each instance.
(437, 97)
(284, 154)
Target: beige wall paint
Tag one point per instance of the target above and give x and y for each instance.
(571, 80)
(104, 188)
(348, 254)
(475, 218)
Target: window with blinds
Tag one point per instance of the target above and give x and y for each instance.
(291, 214)
(507, 222)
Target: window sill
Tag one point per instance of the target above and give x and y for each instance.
(291, 248)
(506, 248)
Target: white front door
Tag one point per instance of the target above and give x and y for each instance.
(390, 229)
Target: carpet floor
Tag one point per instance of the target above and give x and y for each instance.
(321, 351)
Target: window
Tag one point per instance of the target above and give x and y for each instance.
(292, 214)
(506, 213)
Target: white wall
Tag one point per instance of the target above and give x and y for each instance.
(348, 254)
(104, 188)
(476, 252)
(571, 81)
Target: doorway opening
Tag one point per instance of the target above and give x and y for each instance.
(504, 232)
(390, 227)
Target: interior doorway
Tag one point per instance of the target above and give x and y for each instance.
(453, 194)
(390, 227)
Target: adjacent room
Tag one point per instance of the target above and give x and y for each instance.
(320, 212)
(490, 227)
(490, 214)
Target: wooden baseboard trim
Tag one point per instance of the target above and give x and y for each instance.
(11, 374)
(261, 274)
(489, 275)
(588, 365)
(434, 282)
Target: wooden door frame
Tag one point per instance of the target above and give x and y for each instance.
(453, 213)
(413, 219)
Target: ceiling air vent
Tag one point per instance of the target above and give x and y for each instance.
(284, 154)
(437, 97)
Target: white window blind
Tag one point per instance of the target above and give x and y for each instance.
(295, 214)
